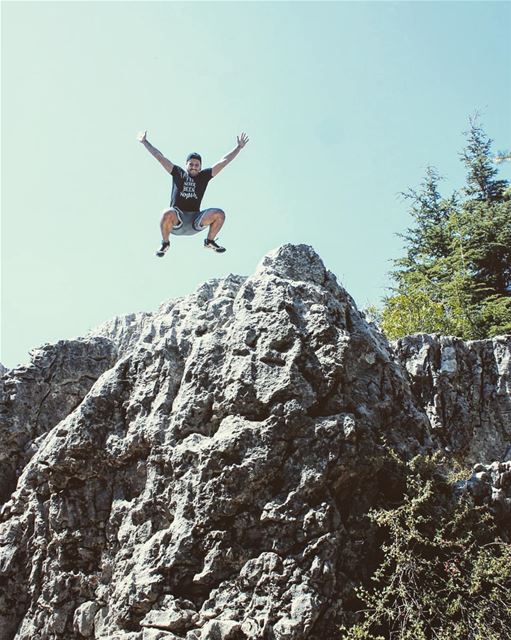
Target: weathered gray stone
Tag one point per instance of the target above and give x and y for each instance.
(84, 619)
(465, 388)
(492, 486)
(213, 479)
(171, 615)
(36, 397)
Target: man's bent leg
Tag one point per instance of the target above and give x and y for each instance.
(214, 219)
(168, 220)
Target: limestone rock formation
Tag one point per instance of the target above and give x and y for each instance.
(35, 398)
(491, 485)
(203, 472)
(465, 389)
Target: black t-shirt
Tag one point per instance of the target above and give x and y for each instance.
(187, 192)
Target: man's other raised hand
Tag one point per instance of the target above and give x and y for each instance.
(142, 136)
(242, 140)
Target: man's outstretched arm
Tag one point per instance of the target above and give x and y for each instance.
(165, 162)
(242, 141)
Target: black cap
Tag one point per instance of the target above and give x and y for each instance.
(194, 156)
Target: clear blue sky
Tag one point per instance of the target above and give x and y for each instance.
(345, 103)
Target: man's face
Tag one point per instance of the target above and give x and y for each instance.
(193, 167)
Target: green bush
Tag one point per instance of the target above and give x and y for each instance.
(445, 572)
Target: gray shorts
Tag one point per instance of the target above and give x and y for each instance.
(190, 222)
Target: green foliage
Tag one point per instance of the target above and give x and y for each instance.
(445, 573)
(414, 306)
(455, 278)
(502, 156)
(481, 172)
(496, 315)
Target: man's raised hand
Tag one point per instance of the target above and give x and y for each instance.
(142, 136)
(242, 140)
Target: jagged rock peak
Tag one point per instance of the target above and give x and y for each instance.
(294, 262)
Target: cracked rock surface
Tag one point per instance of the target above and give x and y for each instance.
(465, 389)
(201, 472)
(35, 398)
(491, 485)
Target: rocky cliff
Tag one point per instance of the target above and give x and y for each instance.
(203, 472)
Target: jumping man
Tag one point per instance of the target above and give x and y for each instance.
(184, 217)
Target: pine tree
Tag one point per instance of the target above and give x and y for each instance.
(477, 157)
(455, 277)
(429, 237)
(486, 217)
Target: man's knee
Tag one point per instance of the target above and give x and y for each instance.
(220, 214)
(169, 215)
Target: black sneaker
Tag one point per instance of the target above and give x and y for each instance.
(211, 244)
(164, 248)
